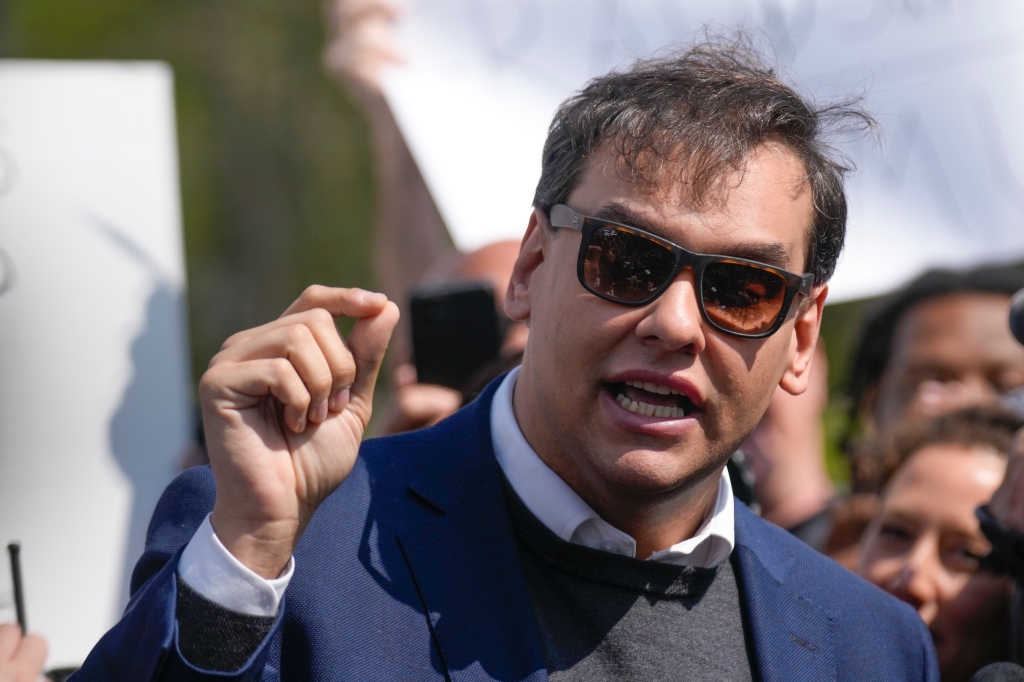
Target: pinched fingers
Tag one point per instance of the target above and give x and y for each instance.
(244, 384)
(310, 341)
(339, 302)
(368, 342)
(306, 339)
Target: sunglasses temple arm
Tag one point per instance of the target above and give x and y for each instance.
(565, 216)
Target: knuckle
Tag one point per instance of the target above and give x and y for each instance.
(231, 341)
(282, 371)
(345, 368)
(322, 383)
(297, 336)
(313, 292)
(216, 360)
(321, 317)
(209, 382)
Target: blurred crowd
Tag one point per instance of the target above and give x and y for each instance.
(934, 441)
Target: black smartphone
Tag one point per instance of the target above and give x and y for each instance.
(455, 331)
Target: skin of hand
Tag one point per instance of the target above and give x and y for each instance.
(21, 658)
(285, 407)
(1007, 505)
(360, 43)
(414, 405)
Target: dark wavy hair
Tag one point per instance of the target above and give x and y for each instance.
(693, 117)
(983, 427)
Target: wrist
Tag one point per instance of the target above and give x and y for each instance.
(264, 547)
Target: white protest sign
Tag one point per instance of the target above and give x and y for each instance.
(94, 383)
(945, 186)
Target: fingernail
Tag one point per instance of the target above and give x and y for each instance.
(300, 425)
(340, 399)
(320, 413)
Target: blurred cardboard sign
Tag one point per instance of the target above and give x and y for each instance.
(944, 186)
(94, 385)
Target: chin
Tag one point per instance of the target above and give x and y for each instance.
(650, 473)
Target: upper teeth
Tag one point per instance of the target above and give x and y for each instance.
(652, 388)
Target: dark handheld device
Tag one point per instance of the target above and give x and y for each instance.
(14, 550)
(455, 332)
(1017, 315)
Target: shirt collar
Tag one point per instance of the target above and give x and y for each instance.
(565, 513)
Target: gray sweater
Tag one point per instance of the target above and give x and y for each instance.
(600, 616)
(604, 616)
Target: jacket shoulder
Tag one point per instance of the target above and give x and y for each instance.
(851, 601)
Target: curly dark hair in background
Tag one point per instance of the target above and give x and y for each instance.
(698, 114)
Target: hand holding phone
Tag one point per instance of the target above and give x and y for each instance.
(455, 332)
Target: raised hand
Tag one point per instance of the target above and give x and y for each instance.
(285, 407)
(414, 405)
(360, 43)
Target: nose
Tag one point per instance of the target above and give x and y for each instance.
(917, 581)
(673, 320)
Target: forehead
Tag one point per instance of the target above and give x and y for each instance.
(945, 483)
(960, 328)
(764, 207)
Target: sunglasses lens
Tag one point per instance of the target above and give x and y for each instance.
(742, 298)
(626, 266)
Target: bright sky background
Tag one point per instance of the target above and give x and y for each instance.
(944, 186)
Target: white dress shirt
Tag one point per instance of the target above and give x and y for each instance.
(213, 572)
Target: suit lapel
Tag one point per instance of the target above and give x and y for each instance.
(791, 636)
(465, 562)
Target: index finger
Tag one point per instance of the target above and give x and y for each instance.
(338, 301)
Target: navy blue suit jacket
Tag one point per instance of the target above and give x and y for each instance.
(411, 571)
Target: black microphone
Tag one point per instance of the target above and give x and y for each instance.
(999, 672)
(1017, 315)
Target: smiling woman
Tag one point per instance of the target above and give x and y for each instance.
(926, 547)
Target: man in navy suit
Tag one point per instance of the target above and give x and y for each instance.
(576, 521)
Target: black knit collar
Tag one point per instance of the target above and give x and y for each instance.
(651, 577)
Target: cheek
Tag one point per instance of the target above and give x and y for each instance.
(878, 570)
(744, 376)
(979, 605)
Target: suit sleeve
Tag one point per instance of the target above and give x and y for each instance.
(145, 644)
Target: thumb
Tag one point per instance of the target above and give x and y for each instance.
(367, 343)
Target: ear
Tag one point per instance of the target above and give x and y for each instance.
(805, 338)
(531, 256)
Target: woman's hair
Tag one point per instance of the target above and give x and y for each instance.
(989, 428)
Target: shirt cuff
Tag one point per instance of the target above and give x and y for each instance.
(212, 571)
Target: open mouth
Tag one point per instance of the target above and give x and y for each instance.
(652, 400)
